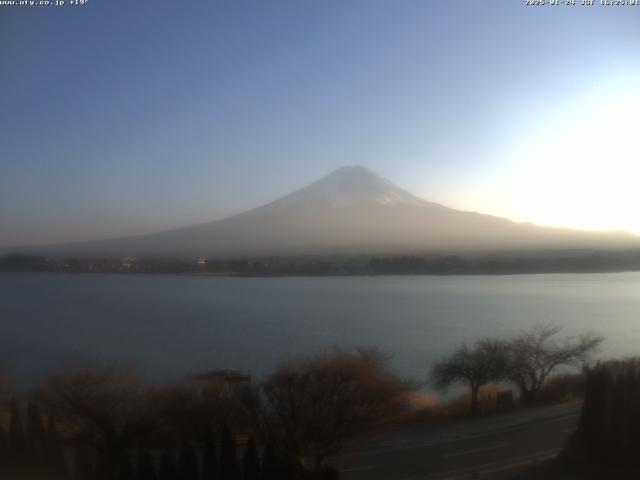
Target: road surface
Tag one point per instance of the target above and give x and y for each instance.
(494, 447)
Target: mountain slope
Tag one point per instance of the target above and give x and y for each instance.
(352, 210)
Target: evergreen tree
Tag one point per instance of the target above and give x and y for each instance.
(269, 463)
(329, 473)
(251, 461)
(54, 454)
(229, 469)
(16, 436)
(145, 468)
(593, 422)
(167, 469)
(609, 427)
(273, 465)
(125, 469)
(4, 452)
(188, 463)
(619, 419)
(104, 468)
(634, 415)
(82, 466)
(210, 458)
(36, 440)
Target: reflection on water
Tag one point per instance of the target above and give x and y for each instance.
(172, 325)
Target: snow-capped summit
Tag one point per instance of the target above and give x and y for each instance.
(349, 186)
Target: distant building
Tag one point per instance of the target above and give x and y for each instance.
(127, 263)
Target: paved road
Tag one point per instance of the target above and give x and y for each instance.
(495, 447)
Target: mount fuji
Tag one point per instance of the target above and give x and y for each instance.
(350, 211)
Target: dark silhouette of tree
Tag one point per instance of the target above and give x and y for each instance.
(329, 473)
(167, 469)
(229, 469)
(82, 465)
(36, 438)
(125, 469)
(210, 469)
(4, 450)
(486, 361)
(537, 353)
(3, 381)
(145, 469)
(188, 463)
(104, 468)
(593, 417)
(311, 408)
(17, 440)
(251, 461)
(54, 455)
(608, 432)
(633, 387)
(274, 466)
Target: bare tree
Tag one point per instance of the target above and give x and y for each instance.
(106, 409)
(198, 408)
(535, 354)
(486, 361)
(310, 408)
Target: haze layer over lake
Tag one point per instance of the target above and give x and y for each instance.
(171, 326)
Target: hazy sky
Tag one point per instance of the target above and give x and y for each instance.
(124, 116)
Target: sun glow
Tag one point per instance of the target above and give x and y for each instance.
(582, 171)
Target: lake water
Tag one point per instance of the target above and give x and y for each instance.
(169, 326)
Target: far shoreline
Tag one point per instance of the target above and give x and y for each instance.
(303, 275)
(361, 265)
